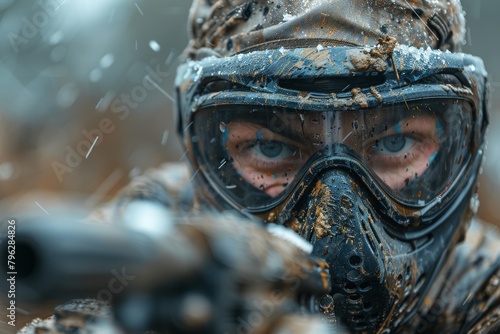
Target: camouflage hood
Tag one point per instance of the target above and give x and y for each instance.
(231, 26)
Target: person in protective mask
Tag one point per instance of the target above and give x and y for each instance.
(358, 125)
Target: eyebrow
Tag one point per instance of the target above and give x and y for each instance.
(266, 122)
(300, 136)
(391, 120)
(386, 119)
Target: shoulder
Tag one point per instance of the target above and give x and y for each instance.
(482, 304)
(168, 185)
(465, 297)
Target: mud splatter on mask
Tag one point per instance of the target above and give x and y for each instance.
(260, 122)
(370, 153)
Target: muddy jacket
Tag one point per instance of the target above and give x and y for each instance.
(465, 297)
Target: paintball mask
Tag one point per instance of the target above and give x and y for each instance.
(370, 153)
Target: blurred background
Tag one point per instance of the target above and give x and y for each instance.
(73, 70)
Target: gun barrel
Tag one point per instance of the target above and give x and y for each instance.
(229, 266)
(61, 260)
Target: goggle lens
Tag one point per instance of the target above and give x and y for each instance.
(413, 150)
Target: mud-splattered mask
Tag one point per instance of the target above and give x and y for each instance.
(370, 153)
(259, 123)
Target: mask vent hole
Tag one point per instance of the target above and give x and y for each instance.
(367, 306)
(355, 297)
(364, 286)
(418, 285)
(408, 274)
(374, 317)
(355, 260)
(328, 85)
(360, 326)
(358, 318)
(371, 243)
(349, 287)
(354, 276)
(414, 303)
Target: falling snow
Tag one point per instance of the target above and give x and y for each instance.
(154, 46)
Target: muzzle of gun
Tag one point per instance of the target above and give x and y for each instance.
(190, 274)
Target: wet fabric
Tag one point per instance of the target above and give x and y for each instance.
(225, 27)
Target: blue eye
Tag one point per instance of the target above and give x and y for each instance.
(394, 144)
(272, 149)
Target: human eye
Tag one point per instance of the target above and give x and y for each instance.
(265, 154)
(398, 158)
(393, 145)
(271, 150)
(263, 158)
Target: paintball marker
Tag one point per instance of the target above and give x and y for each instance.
(185, 274)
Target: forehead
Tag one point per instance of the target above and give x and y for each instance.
(299, 120)
(332, 125)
